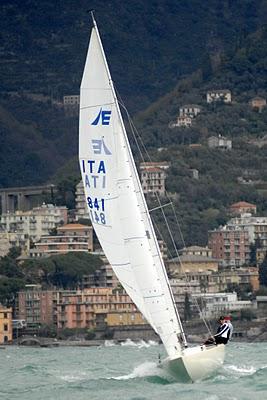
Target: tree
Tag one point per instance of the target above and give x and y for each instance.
(253, 252)
(187, 308)
(263, 271)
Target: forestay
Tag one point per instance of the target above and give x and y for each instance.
(116, 203)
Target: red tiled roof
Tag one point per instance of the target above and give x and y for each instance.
(73, 226)
(242, 204)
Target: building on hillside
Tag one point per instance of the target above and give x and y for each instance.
(181, 288)
(23, 227)
(37, 306)
(104, 276)
(69, 238)
(89, 307)
(24, 198)
(81, 209)
(222, 280)
(243, 277)
(242, 207)
(153, 176)
(189, 110)
(190, 263)
(181, 121)
(219, 142)
(194, 173)
(256, 227)
(6, 332)
(195, 251)
(214, 304)
(230, 245)
(219, 95)
(157, 164)
(122, 318)
(71, 104)
(258, 103)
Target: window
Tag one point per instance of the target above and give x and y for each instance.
(5, 315)
(5, 327)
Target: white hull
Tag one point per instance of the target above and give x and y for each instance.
(196, 363)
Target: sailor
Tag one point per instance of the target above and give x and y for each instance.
(230, 333)
(222, 335)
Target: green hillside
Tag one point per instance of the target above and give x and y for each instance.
(150, 45)
(203, 203)
(180, 48)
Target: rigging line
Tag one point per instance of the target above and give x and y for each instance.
(135, 135)
(163, 270)
(97, 105)
(159, 207)
(207, 324)
(162, 267)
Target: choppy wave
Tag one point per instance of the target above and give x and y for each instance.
(109, 343)
(140, 344)
(141, 371)
(241, 370)
(126, 373)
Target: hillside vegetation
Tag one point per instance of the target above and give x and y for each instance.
(203, 204)
(179, 48)
(150, 46)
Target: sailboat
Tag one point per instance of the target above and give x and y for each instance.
(121, 219)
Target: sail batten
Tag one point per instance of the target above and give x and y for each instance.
(115, 200)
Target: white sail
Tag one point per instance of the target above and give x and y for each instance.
(115, 201)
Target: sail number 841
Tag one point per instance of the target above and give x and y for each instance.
(99, 205)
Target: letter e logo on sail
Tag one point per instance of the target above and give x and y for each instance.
(103, 117)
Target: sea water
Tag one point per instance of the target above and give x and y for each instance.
(125, 372)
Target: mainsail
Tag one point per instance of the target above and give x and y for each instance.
(116, 203)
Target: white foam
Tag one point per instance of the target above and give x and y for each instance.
(109, 343)
(141, 344)
(73, 378)
(243, 370)
(145, 369)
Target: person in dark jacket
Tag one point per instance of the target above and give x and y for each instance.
(222, 335)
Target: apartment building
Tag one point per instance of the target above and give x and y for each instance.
(23, 227)
(5, 324)
(37, 306)
(153, 176)
(82, 308)
(230, 245)
(223, 95)
(69, 238)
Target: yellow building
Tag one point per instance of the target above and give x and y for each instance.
(191, 263)
(122, 318)
(5, 324)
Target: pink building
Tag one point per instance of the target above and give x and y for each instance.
(70, 237)
(230, 246)
(79, 309)
(37, 306)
